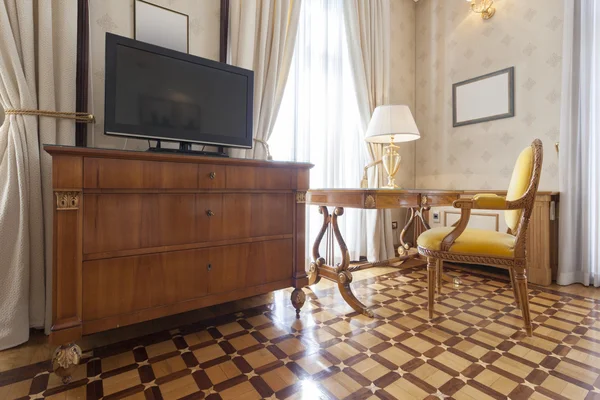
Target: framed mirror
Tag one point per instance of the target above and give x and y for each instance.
(484, 98)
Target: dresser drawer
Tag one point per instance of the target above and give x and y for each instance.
(106, 173)
(236, 267)
(122, 285)
(258, 178)
(255, 215)
(122, 221)
(211, 176)
(157, 280)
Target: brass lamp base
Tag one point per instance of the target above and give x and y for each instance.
(391, 163)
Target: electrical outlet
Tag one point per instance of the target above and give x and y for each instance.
(436, 216)
(394, 224)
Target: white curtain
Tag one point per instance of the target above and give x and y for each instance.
(262, 34)
(318, 119)
(368, 34)
(37, 71)
(579, 155)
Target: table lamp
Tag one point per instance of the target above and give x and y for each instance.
(391, 124)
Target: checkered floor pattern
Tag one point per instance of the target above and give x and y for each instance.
(473, 349)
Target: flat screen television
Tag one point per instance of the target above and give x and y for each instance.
(156, 93)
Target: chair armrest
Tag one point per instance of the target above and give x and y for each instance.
(459, 227)
(484, 201)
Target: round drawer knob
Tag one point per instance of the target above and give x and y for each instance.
(212, 175)
(210, 213)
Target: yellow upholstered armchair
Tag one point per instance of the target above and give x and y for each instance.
(478, 246)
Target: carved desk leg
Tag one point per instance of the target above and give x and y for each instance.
(422, 225)
(404, 246)
(338, 273)
(65, 359)
(416, 213)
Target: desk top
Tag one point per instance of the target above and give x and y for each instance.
(392, 198)
(382, 198)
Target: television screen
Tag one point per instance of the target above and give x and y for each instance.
(157, 93)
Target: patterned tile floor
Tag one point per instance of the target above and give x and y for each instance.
(473, 349)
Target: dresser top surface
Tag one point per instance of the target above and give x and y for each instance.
(168, 157)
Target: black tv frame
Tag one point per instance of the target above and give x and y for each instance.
(111, 128)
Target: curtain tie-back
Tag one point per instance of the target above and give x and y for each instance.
(81, 117)
(266, 146)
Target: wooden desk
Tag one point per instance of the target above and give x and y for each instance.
(417, 200)
(542, 245)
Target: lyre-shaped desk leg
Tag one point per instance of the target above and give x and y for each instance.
(338, 273)
(417, 213)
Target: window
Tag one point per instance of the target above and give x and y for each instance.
(318, 119)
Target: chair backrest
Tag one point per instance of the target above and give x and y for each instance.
(519, 182)
(523, 186)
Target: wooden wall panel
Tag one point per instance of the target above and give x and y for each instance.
(538, 244)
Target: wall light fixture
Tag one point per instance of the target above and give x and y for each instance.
(483, 7)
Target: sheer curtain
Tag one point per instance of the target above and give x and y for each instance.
(579, 156)
(368, 33)
(318, 119)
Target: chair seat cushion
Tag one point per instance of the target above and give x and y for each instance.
(472, 241)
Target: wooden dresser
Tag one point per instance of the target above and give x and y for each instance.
(140, 235)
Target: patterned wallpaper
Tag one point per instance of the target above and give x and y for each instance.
(454, 44)
(402, 89)
(402, 77)
(116, 16)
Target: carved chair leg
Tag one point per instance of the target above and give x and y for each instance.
(521, 279)
(439, 276)
(65, 359)
(298, 299)
(515, 288)
(431, 269)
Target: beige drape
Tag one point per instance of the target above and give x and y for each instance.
(262, 35)
(368, 35)
(37, 71)
(579, 156)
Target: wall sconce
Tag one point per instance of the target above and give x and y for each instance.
(483, 7)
